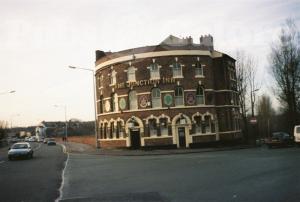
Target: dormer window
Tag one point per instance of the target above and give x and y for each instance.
(154, 70)
(177, 69)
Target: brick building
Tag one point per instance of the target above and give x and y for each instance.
(177, 93)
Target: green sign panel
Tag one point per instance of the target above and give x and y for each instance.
(168, 99)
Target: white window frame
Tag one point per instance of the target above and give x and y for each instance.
(132, 102)
(199, 96)
(156, 100)
(177, 98)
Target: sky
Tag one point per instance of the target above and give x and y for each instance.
(39, 39)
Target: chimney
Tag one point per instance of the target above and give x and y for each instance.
(99, 54)
(208, 41)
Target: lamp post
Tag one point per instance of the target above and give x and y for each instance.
(66, 122)
(94, 92)
(7, 92)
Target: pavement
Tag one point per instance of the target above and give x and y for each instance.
(73, 147)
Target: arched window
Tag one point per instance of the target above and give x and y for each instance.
(152, 127)
(208, 125)
(155, 96)
(200, 95)
(163, 126)
(179, 96)
(132, 100)
(198, 122)
(131, 74)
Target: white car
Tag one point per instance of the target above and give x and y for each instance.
(20, 149)
(297, 134)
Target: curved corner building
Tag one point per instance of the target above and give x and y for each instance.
(177, 94)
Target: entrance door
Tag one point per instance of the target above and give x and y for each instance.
(181, 137)
(135, 139)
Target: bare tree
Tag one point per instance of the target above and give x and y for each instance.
(252, 81)
(285, 68)
(265, 114)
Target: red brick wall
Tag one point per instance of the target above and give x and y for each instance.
(158, 141)
(112, 143)
(90, 140)
(204, 138)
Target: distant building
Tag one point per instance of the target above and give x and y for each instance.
(178, 93)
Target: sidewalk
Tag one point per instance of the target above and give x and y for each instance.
(79, 148)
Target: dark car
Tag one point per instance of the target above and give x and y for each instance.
(51, 141)
(280, 139)
(21, 149)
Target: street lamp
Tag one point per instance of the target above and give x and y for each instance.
(94, 91)
(252, 97)
(8, 92)
(66, 122)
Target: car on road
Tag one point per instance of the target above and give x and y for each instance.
(20, 149)
(280, 139)
(297, 134)
(51, 141)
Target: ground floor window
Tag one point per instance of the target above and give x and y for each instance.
(152, 127)
(163, 126)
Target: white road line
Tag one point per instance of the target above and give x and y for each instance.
(63, 175)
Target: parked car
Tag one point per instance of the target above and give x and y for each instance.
(280, 139)
(297, 134)
(51, 141)
(20, 149)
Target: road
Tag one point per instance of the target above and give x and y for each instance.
(242, 175)
(36, 179)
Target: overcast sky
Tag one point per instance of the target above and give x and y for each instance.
(40, 38)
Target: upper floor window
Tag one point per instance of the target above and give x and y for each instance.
(154, 71)
(100, 81)
(177, 68)
(133, 100)
(198, 69)
(179, 96)
(113, 102)
(200, 95)
(113, 77)
(131, 73)
(155, 96)
(100, 110)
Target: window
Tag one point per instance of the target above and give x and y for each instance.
(131, 74)
(105, 130)
(156, 101)
(152, 127)
(164, 126)
(120, 129)
(113, 102)
(112, 132)
(177, 70)
(198, 121)
(132, 100)
(113, 79)
(154, 71)
(178, 96)
(100, 110)
(207, 125)
(198, 69)
(200, 95)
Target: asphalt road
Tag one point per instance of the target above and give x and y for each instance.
(36, 179)
(242, 175)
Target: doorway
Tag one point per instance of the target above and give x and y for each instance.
(181, 137)
(135, 139)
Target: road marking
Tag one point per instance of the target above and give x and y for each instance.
(63, 174)
(2, 161)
